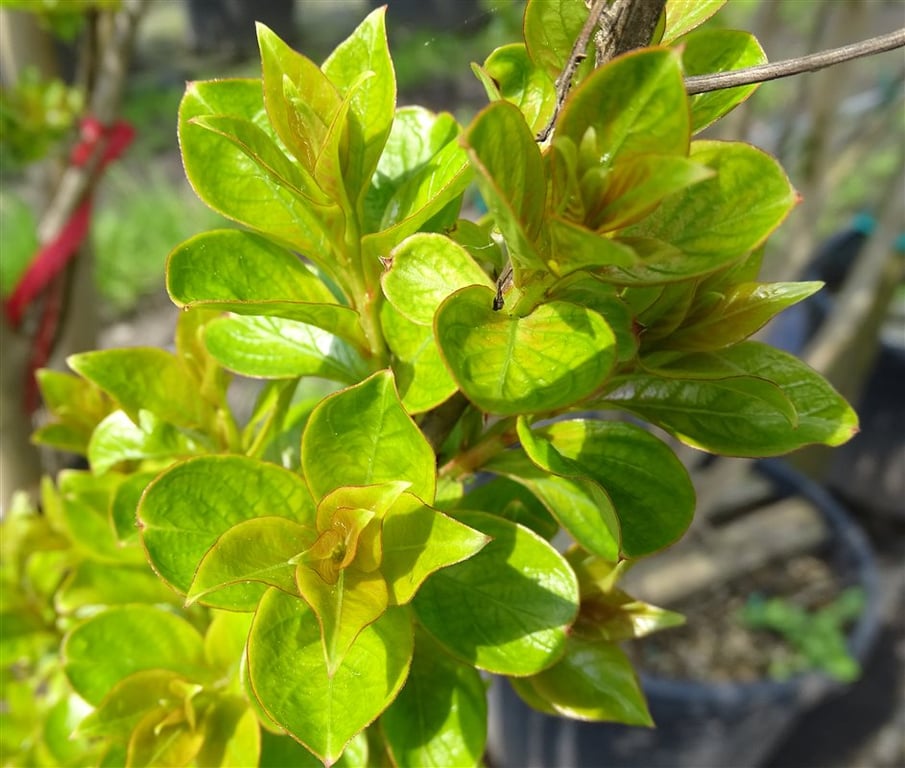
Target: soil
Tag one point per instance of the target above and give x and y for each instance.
(714, 637)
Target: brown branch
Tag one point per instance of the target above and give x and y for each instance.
(810, 63)
(577, 55)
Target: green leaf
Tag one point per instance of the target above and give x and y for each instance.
(507, 609)
(742, 415)
(89, 585)
(146, 378)
(361, 436)
(439, 717)
(244, 273)
(286, 667)
(650, 489)
(633, 188)
(125, 503)
(742, 311)
(301, 123)
(579, 504)
(263, 150)
(576, 247)
(128, 701)
(127, 639)
(232, 183)
(343, 609)
(718, 50)
(192, 504)
(718, 220)
(593, 681)
(554, 357)
(551, 29)
(510, 175)
(117, 439)
(417, 135)
(422, 377)
(424, 269)
(232, 736)
(163, 737)
(522, 82)
(633, 106)
(259, 549)
(821, 414)
(588, 291)
(373, 101)
(277, 348)
(73, 400)
(418, 541)
(511, 501)
(684, 15)
(86, 501)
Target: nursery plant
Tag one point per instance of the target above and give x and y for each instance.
(333, 576)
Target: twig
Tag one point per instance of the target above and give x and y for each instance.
(577, 55)
(810, 63)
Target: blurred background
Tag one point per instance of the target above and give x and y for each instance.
(839, 133)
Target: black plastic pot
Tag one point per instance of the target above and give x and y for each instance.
(699, 724)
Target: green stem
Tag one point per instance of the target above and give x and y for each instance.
(499, 437)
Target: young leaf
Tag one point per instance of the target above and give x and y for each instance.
(439, 717)
(344, 608)
(684, 15)
(593, 680)
(650, 489)
(127, 639)
(718, 220)
(553, 357)
(146, 378)
(117, 438)
(522, 82)
(192, 504)
(718, 50)
(361, 436)
(508, 608)
(738, 314)
(424, 269)
(419, 540)
(578, 504)
(259, 549)
(418, 368)
(373, 102)
(634, 106)
(303, 137)
(232, 736)
(633, 188)
(287, 672)
(232, 183)
(278, 348)
(551, 28)
(511, 179)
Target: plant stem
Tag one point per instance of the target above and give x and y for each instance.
(439, 422)
(809, 63)
(499, 437)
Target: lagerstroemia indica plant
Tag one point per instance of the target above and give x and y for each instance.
(333, 575)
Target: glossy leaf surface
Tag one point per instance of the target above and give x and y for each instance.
(507, 609)
(362, 435)
(125, 640)
(650, 489)
(556, 356)
(191, 505)
(286, 667)
(439, 717)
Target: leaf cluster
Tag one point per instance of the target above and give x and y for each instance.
(439, 398)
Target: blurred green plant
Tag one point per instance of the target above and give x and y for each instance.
(816, 638)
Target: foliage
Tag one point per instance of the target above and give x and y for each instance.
(816, 638)
(353, 556)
